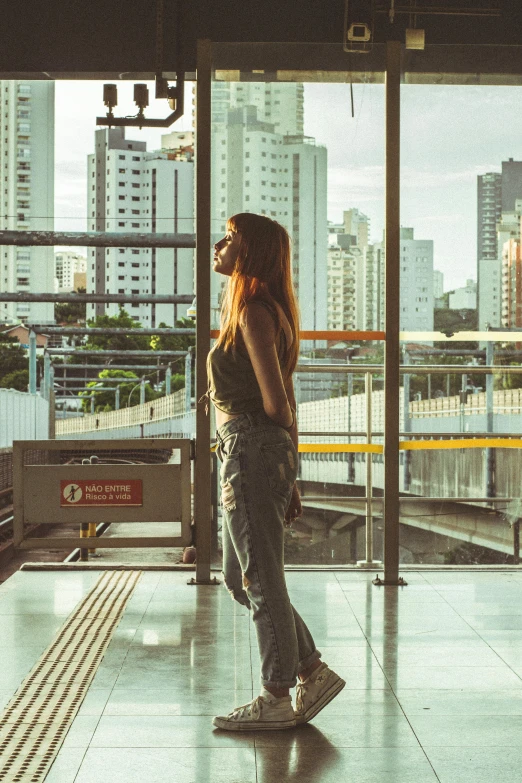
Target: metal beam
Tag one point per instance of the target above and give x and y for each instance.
(412, 369)
(124, 354)
(96, 239)
(392, 314)
(58, 389)
(118, 367)
(98, 380)
(73, 330)
(107, 298)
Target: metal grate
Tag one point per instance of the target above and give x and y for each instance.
(36, 720)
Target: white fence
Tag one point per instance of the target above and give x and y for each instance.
(344, 414)
(23, 416)
(507, 401)
(167, 417)
(128, 419)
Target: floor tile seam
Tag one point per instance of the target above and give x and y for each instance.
(79, 765)
(498, 654)
(392, 689)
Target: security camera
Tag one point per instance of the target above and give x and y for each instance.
(359, 31)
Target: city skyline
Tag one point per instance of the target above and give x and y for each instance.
(438, 201)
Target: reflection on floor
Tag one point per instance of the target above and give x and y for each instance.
(433, 671)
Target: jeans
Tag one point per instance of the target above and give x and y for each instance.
(258, 471)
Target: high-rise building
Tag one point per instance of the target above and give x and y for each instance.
(438, 284)
(511, 183)
(27, 197)
(489, 210)
(347, 254)
(510, 235)
(132, 190)
(68, 266)
(373, 282)
(279, 103)
(258, 169)
(416, 295)
(342, 283)
(497, 195)
(358, 225)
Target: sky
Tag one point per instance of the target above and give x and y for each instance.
(449, 135)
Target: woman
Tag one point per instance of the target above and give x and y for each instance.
(250, 384)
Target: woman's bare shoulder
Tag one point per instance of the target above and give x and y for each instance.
(256, 322)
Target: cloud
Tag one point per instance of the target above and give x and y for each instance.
(412, 177)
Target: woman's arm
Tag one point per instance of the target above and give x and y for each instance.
(289, 388)
(259, 334)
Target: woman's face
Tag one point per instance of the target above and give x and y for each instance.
(226, 252)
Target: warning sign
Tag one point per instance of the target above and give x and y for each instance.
(127, 492)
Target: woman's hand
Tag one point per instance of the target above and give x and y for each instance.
(294, 509)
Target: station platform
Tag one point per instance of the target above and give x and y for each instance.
(433, 672)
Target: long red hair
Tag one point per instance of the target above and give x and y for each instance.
(263, 270)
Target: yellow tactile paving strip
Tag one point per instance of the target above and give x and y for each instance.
(36, 720)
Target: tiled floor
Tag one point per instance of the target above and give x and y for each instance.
(433, 671)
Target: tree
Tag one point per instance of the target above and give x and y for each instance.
(105, 400)
(70, 312)
(452, 321)
(12, 357)
(472, 554)
(175, 342)
(117, 342)
(504, 380)
(18, 379)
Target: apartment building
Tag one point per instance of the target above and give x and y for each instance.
(372, 313)
(69, 270)
(258, 169)
(497, 194)
(280, 104)
(27, 194)
(416, 283)
(464, 298)
(343, 259)
(438, 285)
(510, 235)
(133, 190)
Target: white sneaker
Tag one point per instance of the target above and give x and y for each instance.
(316, 692)
(265, 712)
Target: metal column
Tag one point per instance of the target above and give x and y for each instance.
(406, 455)
(32, 362)
(392, 316)
(490, 453)
(369, 562)
(188, 381)
(202, 465)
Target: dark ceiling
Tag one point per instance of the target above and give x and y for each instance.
(87, 37)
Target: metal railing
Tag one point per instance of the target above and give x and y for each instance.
(415, 441)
